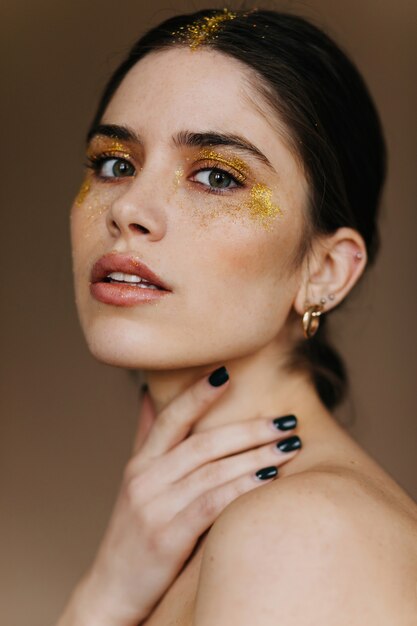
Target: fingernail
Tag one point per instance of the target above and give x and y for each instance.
(267, 472)
(290, 444)
(285, 423)
(218, 377)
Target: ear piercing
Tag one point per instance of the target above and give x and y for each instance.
(331, 297)
(323, 300)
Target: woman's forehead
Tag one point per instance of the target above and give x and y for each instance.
(176, 89)
(179, 82)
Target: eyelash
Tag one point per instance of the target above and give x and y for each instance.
(221, 170)
(96, 162)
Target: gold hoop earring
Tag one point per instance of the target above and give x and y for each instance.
(311, 320)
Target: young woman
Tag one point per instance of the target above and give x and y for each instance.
(235, 167)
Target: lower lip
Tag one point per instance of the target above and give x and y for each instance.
(125, 295)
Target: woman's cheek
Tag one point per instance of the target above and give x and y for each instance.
(245, 232)
(88, 215)
(88, 224)
(255, 207)
(93, 200)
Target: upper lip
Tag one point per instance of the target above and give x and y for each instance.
(128, 264)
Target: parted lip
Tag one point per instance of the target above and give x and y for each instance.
(126, 263)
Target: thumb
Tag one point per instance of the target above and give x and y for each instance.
(146, 419)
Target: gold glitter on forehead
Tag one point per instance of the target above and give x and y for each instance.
(232, 161)
(203, 30)
(261, 206)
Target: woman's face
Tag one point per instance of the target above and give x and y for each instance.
(190, 177)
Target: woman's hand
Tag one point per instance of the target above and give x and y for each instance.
(173, 489)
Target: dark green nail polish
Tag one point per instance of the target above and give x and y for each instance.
(290, 444)
(285, 423)
(267, 472)
(218, 377)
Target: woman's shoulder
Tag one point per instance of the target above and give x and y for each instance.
(337, 498)
(324, 543)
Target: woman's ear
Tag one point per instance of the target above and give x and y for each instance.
(333, 266)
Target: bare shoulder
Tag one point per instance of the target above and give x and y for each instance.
(321, 546)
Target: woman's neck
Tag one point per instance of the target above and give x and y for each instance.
(260, 386)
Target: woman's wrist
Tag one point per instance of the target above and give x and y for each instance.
(87, 606)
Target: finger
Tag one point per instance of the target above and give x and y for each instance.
(230, 448)
(214, 474)
(175, 421)
(216, 443)
(147, 417)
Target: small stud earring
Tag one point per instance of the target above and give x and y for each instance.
(359, 256)
(323, 300)
(331, 296)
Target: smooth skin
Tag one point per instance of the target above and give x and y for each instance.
(333, 540)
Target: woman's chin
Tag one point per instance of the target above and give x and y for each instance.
(127, 344)
(127, 352)
(153, 353)
(145, 348)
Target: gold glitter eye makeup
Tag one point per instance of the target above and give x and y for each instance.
(109, 159)
(232, 161)
(109, 166)
(219, 173)
(215, 179)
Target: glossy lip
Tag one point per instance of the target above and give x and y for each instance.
(124, 294)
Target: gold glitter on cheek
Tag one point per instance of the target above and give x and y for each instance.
(100, 202)
(94, 200)
(178, 175)
(203, 30)
(83, 192)
(261, 206)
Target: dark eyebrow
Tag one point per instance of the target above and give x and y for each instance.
(114, 131)
(208, 139)
(183, 138)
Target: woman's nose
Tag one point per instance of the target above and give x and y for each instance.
(137, 212)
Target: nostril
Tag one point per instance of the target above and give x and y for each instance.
(142, 229)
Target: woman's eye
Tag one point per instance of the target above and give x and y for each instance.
(215, 178)
(116, 168)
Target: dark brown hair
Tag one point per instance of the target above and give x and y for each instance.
(332, 123)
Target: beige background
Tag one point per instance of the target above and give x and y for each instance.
(67, 421)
